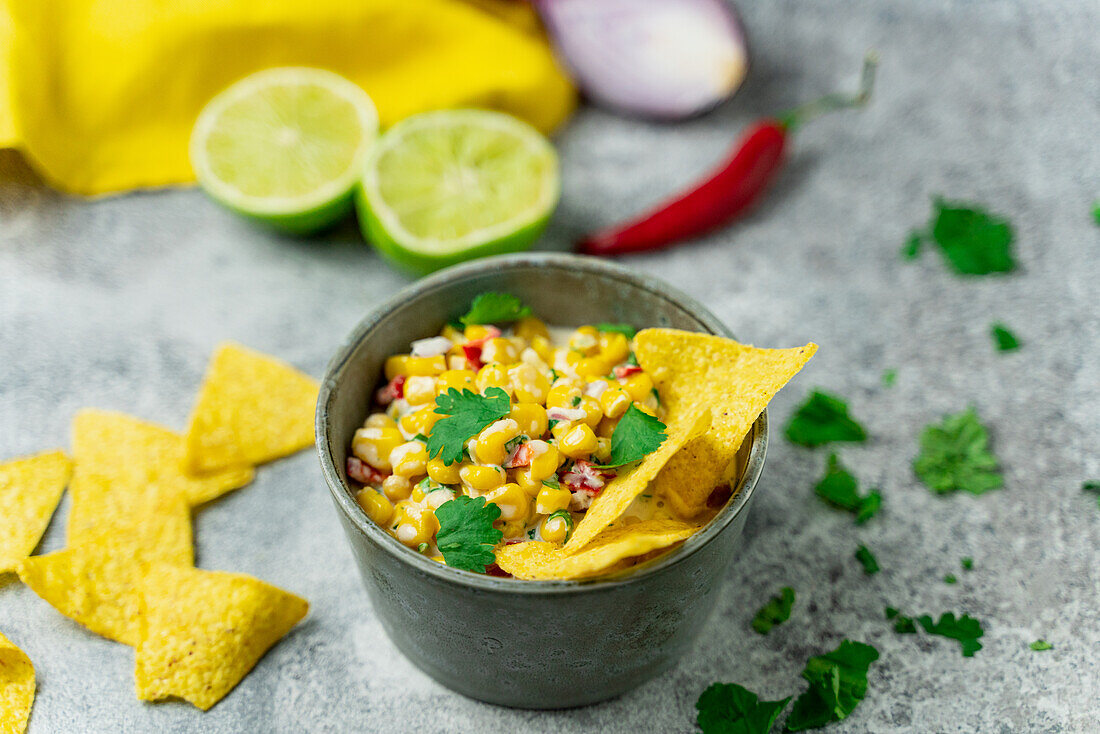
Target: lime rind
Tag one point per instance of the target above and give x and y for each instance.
(325, 200)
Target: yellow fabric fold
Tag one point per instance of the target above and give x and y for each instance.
(103, 93)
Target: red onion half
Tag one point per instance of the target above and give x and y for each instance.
(665, 59)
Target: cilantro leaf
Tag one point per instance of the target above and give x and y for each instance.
(950, 579)
(636, 434)
(889, 377)
(1096, 211)
(1040, 645)
(466, 535)
(838, 682)
(1005, 340)
(839, 488)
(466, 413)
(867, 558)
(625, 329)
(973, 241)
(727, 708)
(495, 308)
(776, 611)
(965, 629)
(967, 563)
(902, 625)
(1092, 486)
(821, 419)
(955, 455)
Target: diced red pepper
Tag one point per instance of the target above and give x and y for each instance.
(585, 477)
(522, 457)
(363, 472)
(394, 390)
(473, 355)
(626, 370)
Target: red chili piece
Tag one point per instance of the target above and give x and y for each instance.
(626, 370)
(733, 188)
(363, 473)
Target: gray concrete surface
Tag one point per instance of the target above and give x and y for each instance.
(117, 304)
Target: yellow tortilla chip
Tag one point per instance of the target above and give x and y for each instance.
(122, 462)
(540, 560)
(30, 489)
(624, 488)
(16, 688)
(737, 381)
(97, 582)
(202, 631)
(251, 408)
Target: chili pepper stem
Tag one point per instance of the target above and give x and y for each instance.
(793, 119)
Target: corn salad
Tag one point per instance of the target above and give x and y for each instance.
(540, 465)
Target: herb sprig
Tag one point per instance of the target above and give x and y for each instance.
(465, 413)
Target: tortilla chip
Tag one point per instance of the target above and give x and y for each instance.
(624, 488)
(16, 687)
(96, 583)
(251, 408)
(120, 460)
(737, 381)
(202, 631)
(30, 489)
(540, 560)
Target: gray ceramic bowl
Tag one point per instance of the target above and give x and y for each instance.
(530, 644)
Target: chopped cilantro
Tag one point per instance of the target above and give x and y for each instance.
(424, 483)
(625, 329)
(576, 400)
(531, 533)
(823, 418)
(635, 435)
(1005, 340)
(867, 558)
(902, 625)
(1092, 486)
(632, 359)
(776, 611)
(950, 579)
(840, 489)
(973, 241)
(554, 374)
(967, 563)
(656, 395)
(465, 414)
(1040, 645)
(889, 377)
(552, 482)
(420, 437)
(422, 547)
(466, 535)
(838, 682)
(965, 629)
(727, 708)
(495, 308)
(551, 423)
(456, 324)
(511, 444)
(955, 455)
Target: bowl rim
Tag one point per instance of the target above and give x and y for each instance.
(342, 492)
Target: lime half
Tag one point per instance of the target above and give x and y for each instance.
(285, 146)
(447, 186)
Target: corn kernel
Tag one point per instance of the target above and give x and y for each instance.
(499, 350)
(490, 442)
(530, 327)
(419, 421)
(409, 459)
(556, 528)
(606, 427)
(614, 401)
(396, 365)
(513, 502)
(457, 379)
(552, 499)
(438, 496)
(561, 429)
(379, 420)
(396, 487)
(457, 362)
(514, 529)
(373, 445)
(377, 507)
(562, 395)
(603, 449)
(526, 481)
(416, 527)
(481, 478)
(545, 460)
(579, 442)
(450, 332)
(530, 417)
(440, 472)
(417, 495)
(585, 340)
(420, 390)
(494, 375)
(639, 385)
(477, 331)
(529, 385)
(593, 414)
(614, 347)
(426, 366)
(592, 367)
(543, 348)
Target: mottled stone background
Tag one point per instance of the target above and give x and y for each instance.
(118, 303)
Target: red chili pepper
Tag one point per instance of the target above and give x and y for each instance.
(626, 370)
(473, 356)
(733, 188)
(393, 390)
(362, 472)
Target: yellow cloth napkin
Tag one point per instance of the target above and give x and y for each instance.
(100, 95)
